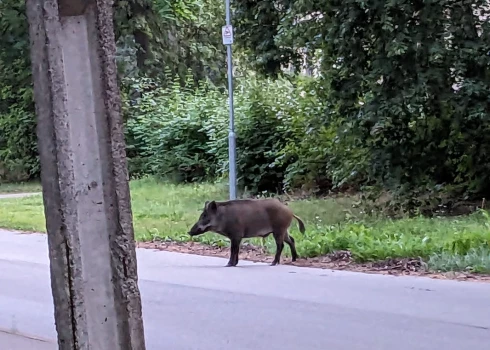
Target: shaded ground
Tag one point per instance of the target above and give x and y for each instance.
(340, 260)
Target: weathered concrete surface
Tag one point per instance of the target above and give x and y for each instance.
(193, 302)
(84, 175)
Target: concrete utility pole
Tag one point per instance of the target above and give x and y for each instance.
(84, 176)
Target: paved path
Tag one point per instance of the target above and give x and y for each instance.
(193, 302)
(17, 195)
(12, 341)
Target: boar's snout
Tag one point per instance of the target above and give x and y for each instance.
(195, 230)
(206, 220)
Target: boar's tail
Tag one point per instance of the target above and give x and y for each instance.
(301, 224)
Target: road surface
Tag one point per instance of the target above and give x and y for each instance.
(17, 195)
(12, 341)
(193, 302)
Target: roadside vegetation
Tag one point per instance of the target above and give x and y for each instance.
(165, 212)
(376, 131)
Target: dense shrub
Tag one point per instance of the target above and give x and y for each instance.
(183, 134)
(270, 116)
(414, 90)
(400, 107)
(18, 147)
(165, 131)
(410, 80)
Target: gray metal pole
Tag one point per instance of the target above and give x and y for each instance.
(231, 132)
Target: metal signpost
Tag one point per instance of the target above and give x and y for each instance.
(227, 33)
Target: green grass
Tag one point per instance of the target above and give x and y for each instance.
(475, 260)
(167, 211)
(24, 187)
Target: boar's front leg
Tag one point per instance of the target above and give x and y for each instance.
(235, 250)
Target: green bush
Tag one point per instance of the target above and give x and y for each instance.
(270, 115)
(475, 260)
(18, 144)
(165, 133)
(182, 133)
(417, 237)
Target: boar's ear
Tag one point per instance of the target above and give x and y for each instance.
(212, 206)
(206, 205)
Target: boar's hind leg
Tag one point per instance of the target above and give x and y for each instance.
(279, 237)
(235, 250)
(290, 241)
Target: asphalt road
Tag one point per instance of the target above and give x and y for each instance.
(192, 302)
(17, 195)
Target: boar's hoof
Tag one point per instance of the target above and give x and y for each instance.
(274, 263)
(230, 264)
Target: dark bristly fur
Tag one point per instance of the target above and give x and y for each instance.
(247, 218)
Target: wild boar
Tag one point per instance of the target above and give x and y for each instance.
(247, 218)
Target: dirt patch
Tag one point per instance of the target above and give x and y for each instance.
(339, 260)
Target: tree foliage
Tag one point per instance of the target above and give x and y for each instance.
(412, 80)
(398, 102)
(182, 133)
(408, 84)
(18, 149)
(159, 38)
